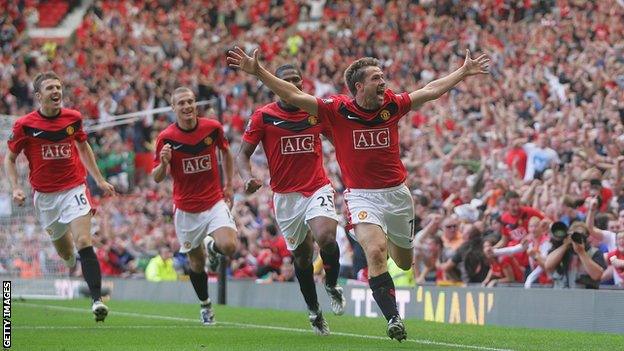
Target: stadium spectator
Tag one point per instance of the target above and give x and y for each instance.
(574, 263)
(160, 267)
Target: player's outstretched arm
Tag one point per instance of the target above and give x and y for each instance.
(438, 87)
(288, 92)
(88, 160)
(11, 172)
(244, 167)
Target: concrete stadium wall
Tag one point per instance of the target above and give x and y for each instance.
(584, 310)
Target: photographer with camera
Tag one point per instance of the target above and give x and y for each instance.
(572, 262)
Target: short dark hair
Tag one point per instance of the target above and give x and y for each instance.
(354, 73)
(180, 90)
(39, 78)
(286, 67)
(511, 195)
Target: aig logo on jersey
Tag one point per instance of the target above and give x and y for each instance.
(196, 164)
(297, 144)
(371, 138)
(56, 151)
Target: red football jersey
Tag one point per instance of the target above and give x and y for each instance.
(367, 142)
(620, 256)
(516, 228)
(48, 143)
(194, 167)
(292, 146)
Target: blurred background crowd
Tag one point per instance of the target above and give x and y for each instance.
(492, 164)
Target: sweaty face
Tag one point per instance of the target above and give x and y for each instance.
(292, 76)
(373, 87)
(50, 94)
(184, 106)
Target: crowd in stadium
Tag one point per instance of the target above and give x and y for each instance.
(491, 165)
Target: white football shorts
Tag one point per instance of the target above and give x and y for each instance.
(191, 228)
(56, 210)
(390, 208)
(293, 211)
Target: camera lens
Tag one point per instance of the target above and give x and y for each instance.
(578, 238)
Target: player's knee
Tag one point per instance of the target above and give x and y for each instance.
(83, 241)
(228, 247)
(327, 242)
(376, 255)
(304, 260)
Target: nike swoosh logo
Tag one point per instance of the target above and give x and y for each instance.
(177, 147)
(352, 117)
(277, 123)
(37, 133)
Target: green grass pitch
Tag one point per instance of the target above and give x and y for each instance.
(142, 325)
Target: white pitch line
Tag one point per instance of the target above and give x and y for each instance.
(268, 327)
(98, 327)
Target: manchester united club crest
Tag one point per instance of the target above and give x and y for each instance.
(312, 120)
(70, 130)
(385, 115)
(208, 140)
(362, 215)
(187, 245)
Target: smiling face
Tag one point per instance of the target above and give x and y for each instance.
(184, 106)
(50, 94)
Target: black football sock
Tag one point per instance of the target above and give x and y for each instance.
(331, 255)
(305, 277)
(91, 272)
(213, 247)
(383, 293)
(200, 284)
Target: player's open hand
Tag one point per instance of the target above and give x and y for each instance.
(19, 197)
(165, 154)
(252, 185)
(480, 65)
(237, 58)
(107, 188)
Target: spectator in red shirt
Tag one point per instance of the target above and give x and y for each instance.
(515, 221)
(615, 260)
(516, 159)
(502, 269)
(273, 253)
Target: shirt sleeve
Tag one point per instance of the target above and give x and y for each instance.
(531, 212)
(17, 140)
(326, 108)
(404, 102)
(222, 142)
(159, 146)
(80, 135)
(254, 133)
